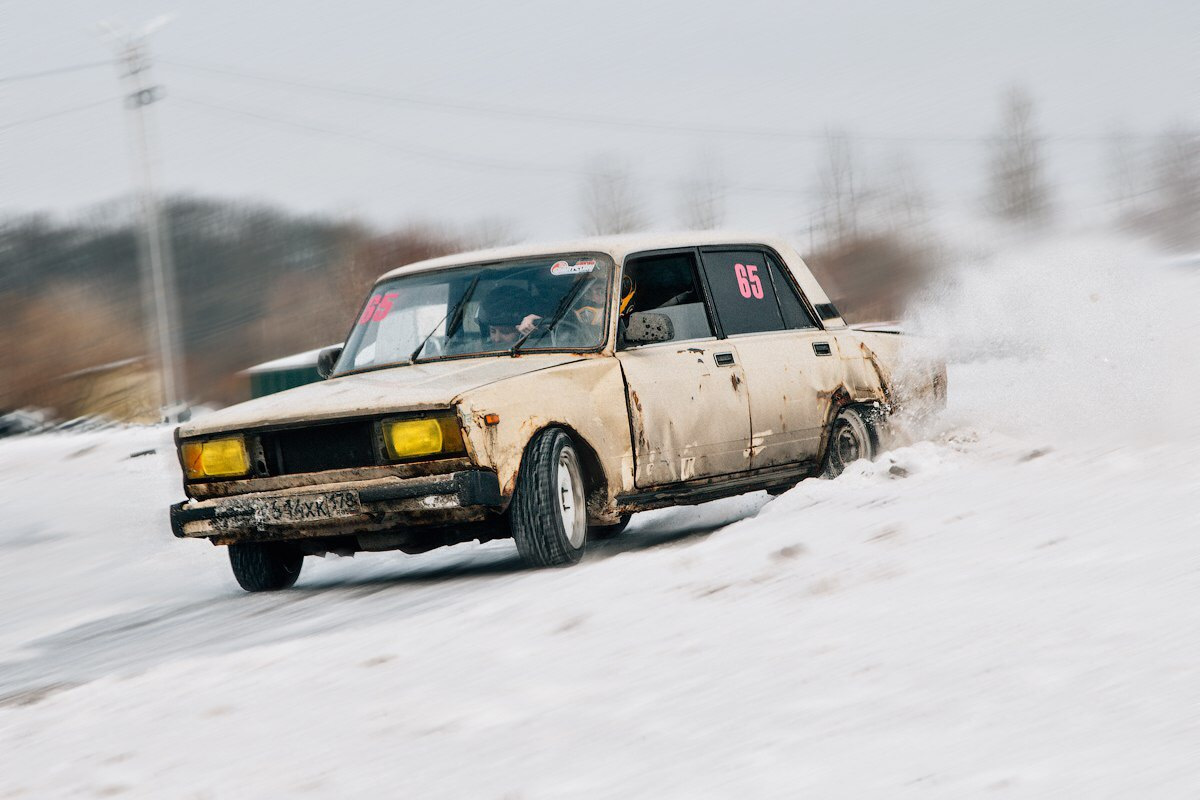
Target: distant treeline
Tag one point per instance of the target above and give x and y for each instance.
(253, 283)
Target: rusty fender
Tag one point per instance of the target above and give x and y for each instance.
(585, 397)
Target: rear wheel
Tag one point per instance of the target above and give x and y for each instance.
(265, 566)
(853, 437)
(548, 513)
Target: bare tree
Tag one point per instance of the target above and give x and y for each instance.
(489, 232)
(841, 189)
(367, 255)
(610, 203)
(1124, 170)
(901, 196)
(1018, 189)
(1176, 190)
(702, 201)
(42, 344)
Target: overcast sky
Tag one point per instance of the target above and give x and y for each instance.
(420, 125)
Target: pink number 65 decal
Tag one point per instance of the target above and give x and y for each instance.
(369, 311)
(377, 308)
(749, 284)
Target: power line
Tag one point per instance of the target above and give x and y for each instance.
(416, 152)
(594, 120)
(55, 114)
(29, 76)
(427, 102)
(508, 111)
(442, 156)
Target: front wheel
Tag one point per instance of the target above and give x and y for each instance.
(265, 566)
(548, 513)
(853, 437)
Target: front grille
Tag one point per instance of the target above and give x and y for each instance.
(340, 445)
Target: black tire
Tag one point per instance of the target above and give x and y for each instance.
(541, 502)
(265, 567)
(852, 437)
(609, 531)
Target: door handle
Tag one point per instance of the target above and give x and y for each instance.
(723, 359)
(822, 349)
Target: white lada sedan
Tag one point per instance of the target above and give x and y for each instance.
(545, 394)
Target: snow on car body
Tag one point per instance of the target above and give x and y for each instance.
(542, 393)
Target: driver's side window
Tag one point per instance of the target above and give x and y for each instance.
(668, 284)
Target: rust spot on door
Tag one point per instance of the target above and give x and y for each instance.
(639, 423)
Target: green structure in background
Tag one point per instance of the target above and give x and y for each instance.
(283, 373)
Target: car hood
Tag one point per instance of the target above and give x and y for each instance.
(416, 387)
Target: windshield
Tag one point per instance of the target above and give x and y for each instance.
(553, 302)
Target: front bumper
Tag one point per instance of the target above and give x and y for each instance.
(341, 508)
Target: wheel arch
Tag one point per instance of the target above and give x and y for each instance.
(872, 412)
(596, 479)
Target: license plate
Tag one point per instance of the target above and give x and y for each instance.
(307, 507)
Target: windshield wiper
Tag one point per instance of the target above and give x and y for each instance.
(454, 315)
(559, 312)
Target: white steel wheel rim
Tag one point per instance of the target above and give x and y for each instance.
(849, 447)
(570, 499)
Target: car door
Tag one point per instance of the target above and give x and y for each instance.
(688, 408)
(791, 364)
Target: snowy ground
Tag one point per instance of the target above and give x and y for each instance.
(1006, 607)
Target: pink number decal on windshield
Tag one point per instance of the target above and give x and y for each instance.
(377, 308)
(385, 306)
(369, 311)
(749, 284)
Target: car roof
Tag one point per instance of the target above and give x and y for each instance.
(616, 247)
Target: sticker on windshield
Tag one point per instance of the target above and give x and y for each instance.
(377, 308)
(582, 265)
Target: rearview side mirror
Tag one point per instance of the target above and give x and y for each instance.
(327, 359)
(646, 327)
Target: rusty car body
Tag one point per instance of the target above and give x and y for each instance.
(716, 365)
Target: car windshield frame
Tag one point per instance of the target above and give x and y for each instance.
(355, 341)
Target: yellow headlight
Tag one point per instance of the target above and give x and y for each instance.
(217, 458)
(413, 438)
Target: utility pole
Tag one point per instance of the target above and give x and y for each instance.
(157, 272)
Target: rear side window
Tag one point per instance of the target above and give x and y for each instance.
(795, 315)
(743, 291)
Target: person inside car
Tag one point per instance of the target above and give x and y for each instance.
(504, 315)
(589, 309)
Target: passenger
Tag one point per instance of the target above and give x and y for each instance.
(591, 309)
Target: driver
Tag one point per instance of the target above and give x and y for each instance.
(504, 315)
